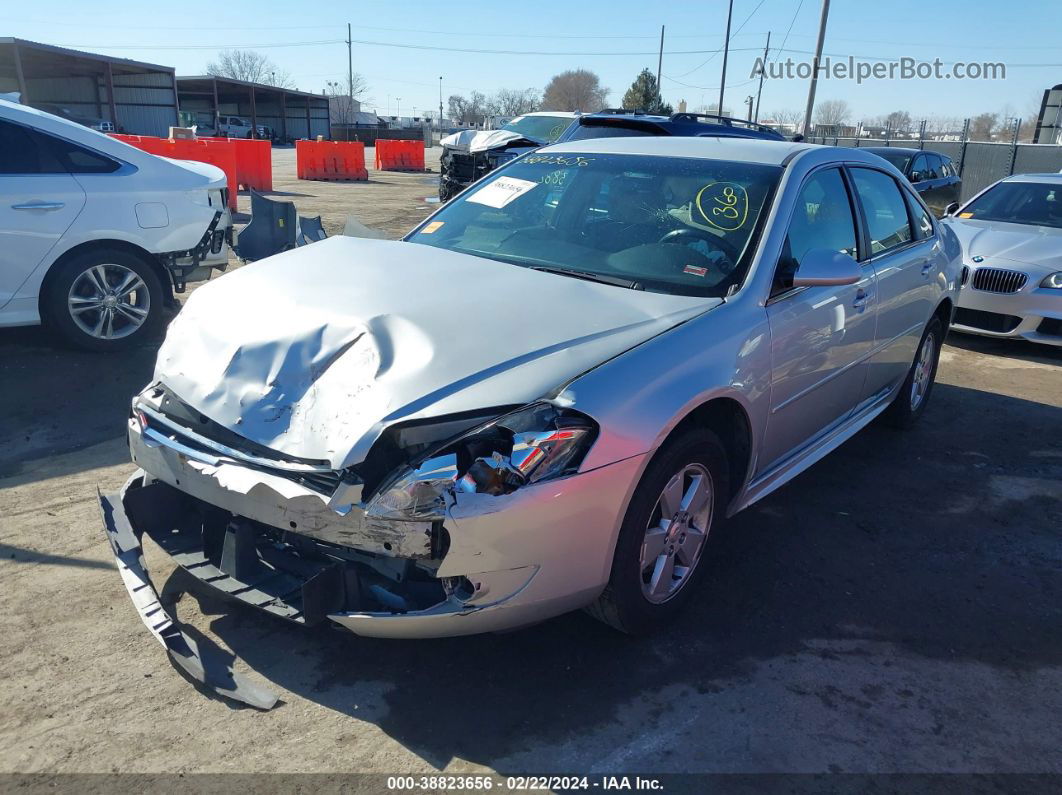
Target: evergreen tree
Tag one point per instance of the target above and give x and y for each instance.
(644, 94)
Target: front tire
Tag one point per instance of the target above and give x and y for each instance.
(910, 403)
(660, 550)
(104, 300)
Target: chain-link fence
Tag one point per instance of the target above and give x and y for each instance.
(980, 163)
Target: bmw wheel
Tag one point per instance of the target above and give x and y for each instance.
(104, 300)
(662, 540)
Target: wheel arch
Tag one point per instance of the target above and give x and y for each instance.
(95, 245)
(945, 311)
(728, 419)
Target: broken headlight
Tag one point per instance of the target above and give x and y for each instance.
(536, 443)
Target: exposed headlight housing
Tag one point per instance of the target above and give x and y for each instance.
(1053, 281)
(535, 443)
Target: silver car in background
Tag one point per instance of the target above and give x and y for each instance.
(546, 396)
(1011, 236)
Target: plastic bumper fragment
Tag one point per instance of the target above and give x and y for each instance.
(129, 557)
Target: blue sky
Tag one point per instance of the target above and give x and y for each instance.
(615, 39)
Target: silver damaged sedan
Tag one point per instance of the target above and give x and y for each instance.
(545, 397)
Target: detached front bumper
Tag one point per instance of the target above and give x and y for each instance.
(129, 557)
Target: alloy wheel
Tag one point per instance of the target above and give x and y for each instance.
(923, 371)
(675, 535)
(109, 301)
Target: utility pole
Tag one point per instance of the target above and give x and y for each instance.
(726, 52)
(759, 90)
(748, 101)
(440, 102)
(815, 66)
(659, 65)
(350, 73)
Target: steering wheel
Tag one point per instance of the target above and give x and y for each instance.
(679, 236)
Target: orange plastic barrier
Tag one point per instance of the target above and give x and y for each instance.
(399, 155)
(220, 153)
(330, 160)
(254, 162)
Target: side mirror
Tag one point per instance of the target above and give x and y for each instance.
(951, 209)
(822, 267)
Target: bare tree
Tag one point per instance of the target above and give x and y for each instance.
(786, 117)
(832, 112)
(898, 121)
(982, 126)
(340, 108)
(513, 102)
(1028, 122)
(469, 110)
(249, 66)
(575, 89)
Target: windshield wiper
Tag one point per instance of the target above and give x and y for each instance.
(618, 281)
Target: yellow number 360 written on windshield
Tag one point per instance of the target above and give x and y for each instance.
(724, 205)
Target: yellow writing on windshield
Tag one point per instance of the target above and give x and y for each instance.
(724, 205)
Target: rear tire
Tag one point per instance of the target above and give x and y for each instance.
(104, 300)
(910, 402)
(655, 570)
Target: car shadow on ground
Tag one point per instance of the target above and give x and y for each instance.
(78, 398)
(942, 541)
(1007, 348)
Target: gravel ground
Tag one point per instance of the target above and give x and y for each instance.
(897, 608)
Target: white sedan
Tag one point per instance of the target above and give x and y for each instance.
(96, 235)
(1011, 236)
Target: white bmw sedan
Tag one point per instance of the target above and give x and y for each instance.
(1011, 236)
(96, 235)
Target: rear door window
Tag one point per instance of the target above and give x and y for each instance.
(918, 169)
(24, 151)
(78, 159)
(888, 224)
(932, 166)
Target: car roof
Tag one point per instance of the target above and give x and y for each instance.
(1048, 178)
(904, 150)
(681, 123)
(567, 114)
(709, 147)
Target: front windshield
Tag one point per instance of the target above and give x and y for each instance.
(665, 224)
(1032, 203)
(546, 129)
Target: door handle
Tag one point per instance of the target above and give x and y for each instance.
(860, 302)
(927, 266)
(38, 206)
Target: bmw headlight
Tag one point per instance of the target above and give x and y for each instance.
(1053, 281)
(535, 443)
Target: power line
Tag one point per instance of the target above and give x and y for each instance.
(716, 52)
(470, 50)
(95, 46)
(790, 28)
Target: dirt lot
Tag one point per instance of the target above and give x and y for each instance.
(897, 608)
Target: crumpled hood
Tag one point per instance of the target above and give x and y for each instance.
(1038, 246)
(315, 351)
(482, 140)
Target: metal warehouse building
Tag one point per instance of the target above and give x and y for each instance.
(291, 113)
(137, 98)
